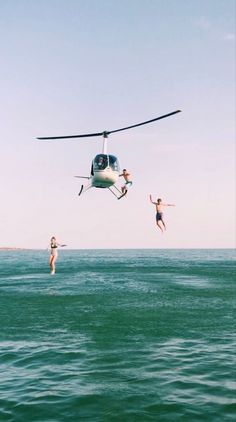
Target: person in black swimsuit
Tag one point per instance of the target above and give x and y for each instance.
(53, 255)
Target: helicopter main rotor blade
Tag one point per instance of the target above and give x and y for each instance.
(107, 132)
(87, 135)
(144, 123)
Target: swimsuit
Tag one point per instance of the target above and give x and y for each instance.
(53, 249)
(159, 216)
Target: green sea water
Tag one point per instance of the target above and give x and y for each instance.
(118, 335)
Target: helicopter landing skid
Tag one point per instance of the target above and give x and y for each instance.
(81, 190)
(116, 192)
(123, 194)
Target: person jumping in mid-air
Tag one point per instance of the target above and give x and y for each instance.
(53, 255)
(128, 182)
(159, 214)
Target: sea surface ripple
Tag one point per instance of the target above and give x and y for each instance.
(118, 335)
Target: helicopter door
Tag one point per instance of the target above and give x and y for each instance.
(113, 163)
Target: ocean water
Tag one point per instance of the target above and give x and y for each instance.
(118, 335)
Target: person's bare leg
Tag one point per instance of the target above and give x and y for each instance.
(50, 262)
(53, 266)
(159, 225)
(163, 224)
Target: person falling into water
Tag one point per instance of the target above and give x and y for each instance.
(53, 255)
(159, 214)
(128, 182)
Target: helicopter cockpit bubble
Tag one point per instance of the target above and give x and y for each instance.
(102, 161)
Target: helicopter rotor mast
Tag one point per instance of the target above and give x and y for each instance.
(105, 133)
(104, 145)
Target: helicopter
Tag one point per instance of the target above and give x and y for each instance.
(105, 167)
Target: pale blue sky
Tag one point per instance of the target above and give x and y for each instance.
(72, 67)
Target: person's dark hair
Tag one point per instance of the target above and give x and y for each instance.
(159, 200)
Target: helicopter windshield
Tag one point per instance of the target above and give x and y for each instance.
(102, 161)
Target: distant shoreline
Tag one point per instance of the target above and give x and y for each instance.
(9, 248)
(6, 248)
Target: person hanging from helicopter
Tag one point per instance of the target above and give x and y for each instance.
(128, 182)
(159, 213)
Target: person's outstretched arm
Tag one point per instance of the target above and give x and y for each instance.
(150, 196)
